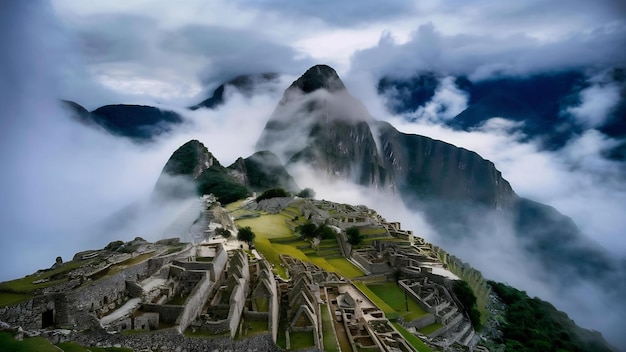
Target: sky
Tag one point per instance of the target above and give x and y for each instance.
(60, 180)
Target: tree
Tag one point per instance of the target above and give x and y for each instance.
(467, 298)
(324, 232)
(354, 236)
(307, 230)
(245, 234)
(306, 193)
(272, 193)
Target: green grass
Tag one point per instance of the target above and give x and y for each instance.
(345, 268)
(413, 340)
(72, 347)
(273, 238)
(267, 226)
(427, 330)
(382, 305)
(301, 339)
(39, 344)
(369, 231)
(394, 296)
(25, 284)
(9, 299)
(262, 304)
(330, 343)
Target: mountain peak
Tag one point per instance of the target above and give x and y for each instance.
(317, 77)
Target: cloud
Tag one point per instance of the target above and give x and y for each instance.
(447, 102)
(596, 104)
(63, 182)
(483, 56)
(338, 13)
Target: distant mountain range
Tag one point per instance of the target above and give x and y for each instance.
(539, 102)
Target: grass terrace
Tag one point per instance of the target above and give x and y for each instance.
(20, 290)
(252, 327)
(330, 342)
(372, 231)
(301, 339)
(427, 330)
(394, 296)
(413, 340)
(39, 344)
(390, 313)
(273, 237)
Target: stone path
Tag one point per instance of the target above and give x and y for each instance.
(122, 311)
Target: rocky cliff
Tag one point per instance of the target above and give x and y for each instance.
(319, 123)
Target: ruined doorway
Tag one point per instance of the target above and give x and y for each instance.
(47, 318)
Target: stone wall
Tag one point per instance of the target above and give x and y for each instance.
(167, 313)
(195, 302)
(134, 289)
(167, 340)
(419, 323)
(219, 263)
(29, 314)
(237, 303)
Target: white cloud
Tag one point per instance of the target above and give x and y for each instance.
(596, 103)
(447, 102)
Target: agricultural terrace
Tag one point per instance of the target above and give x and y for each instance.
(390, 298)
(274, 237)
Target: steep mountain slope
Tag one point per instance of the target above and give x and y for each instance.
(262, 171)
(193, 171)
(319, 123)
(244, 84)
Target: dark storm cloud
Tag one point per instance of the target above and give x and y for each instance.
(339, 13)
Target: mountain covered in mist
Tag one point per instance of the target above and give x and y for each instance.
(320, 124)
(541, 104)
(138, 122)
(192, 170)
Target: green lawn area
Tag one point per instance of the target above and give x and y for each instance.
(267, 225)
(412, 339)
(330, 342)
(301, 339)
(39, 344)
(25, 284)
(252, 327)
(262, 304)
(9, 299)
(394, 296)
(430, 328)
(345, 268)
(368, 231)
(389, 312)
(273, 238)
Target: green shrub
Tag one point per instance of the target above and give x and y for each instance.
(273, 193)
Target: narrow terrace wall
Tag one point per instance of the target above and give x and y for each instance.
(195, 302)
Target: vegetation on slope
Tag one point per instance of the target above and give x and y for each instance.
(465, 294)
(273, 193)
(217, 181)
(535, 325)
